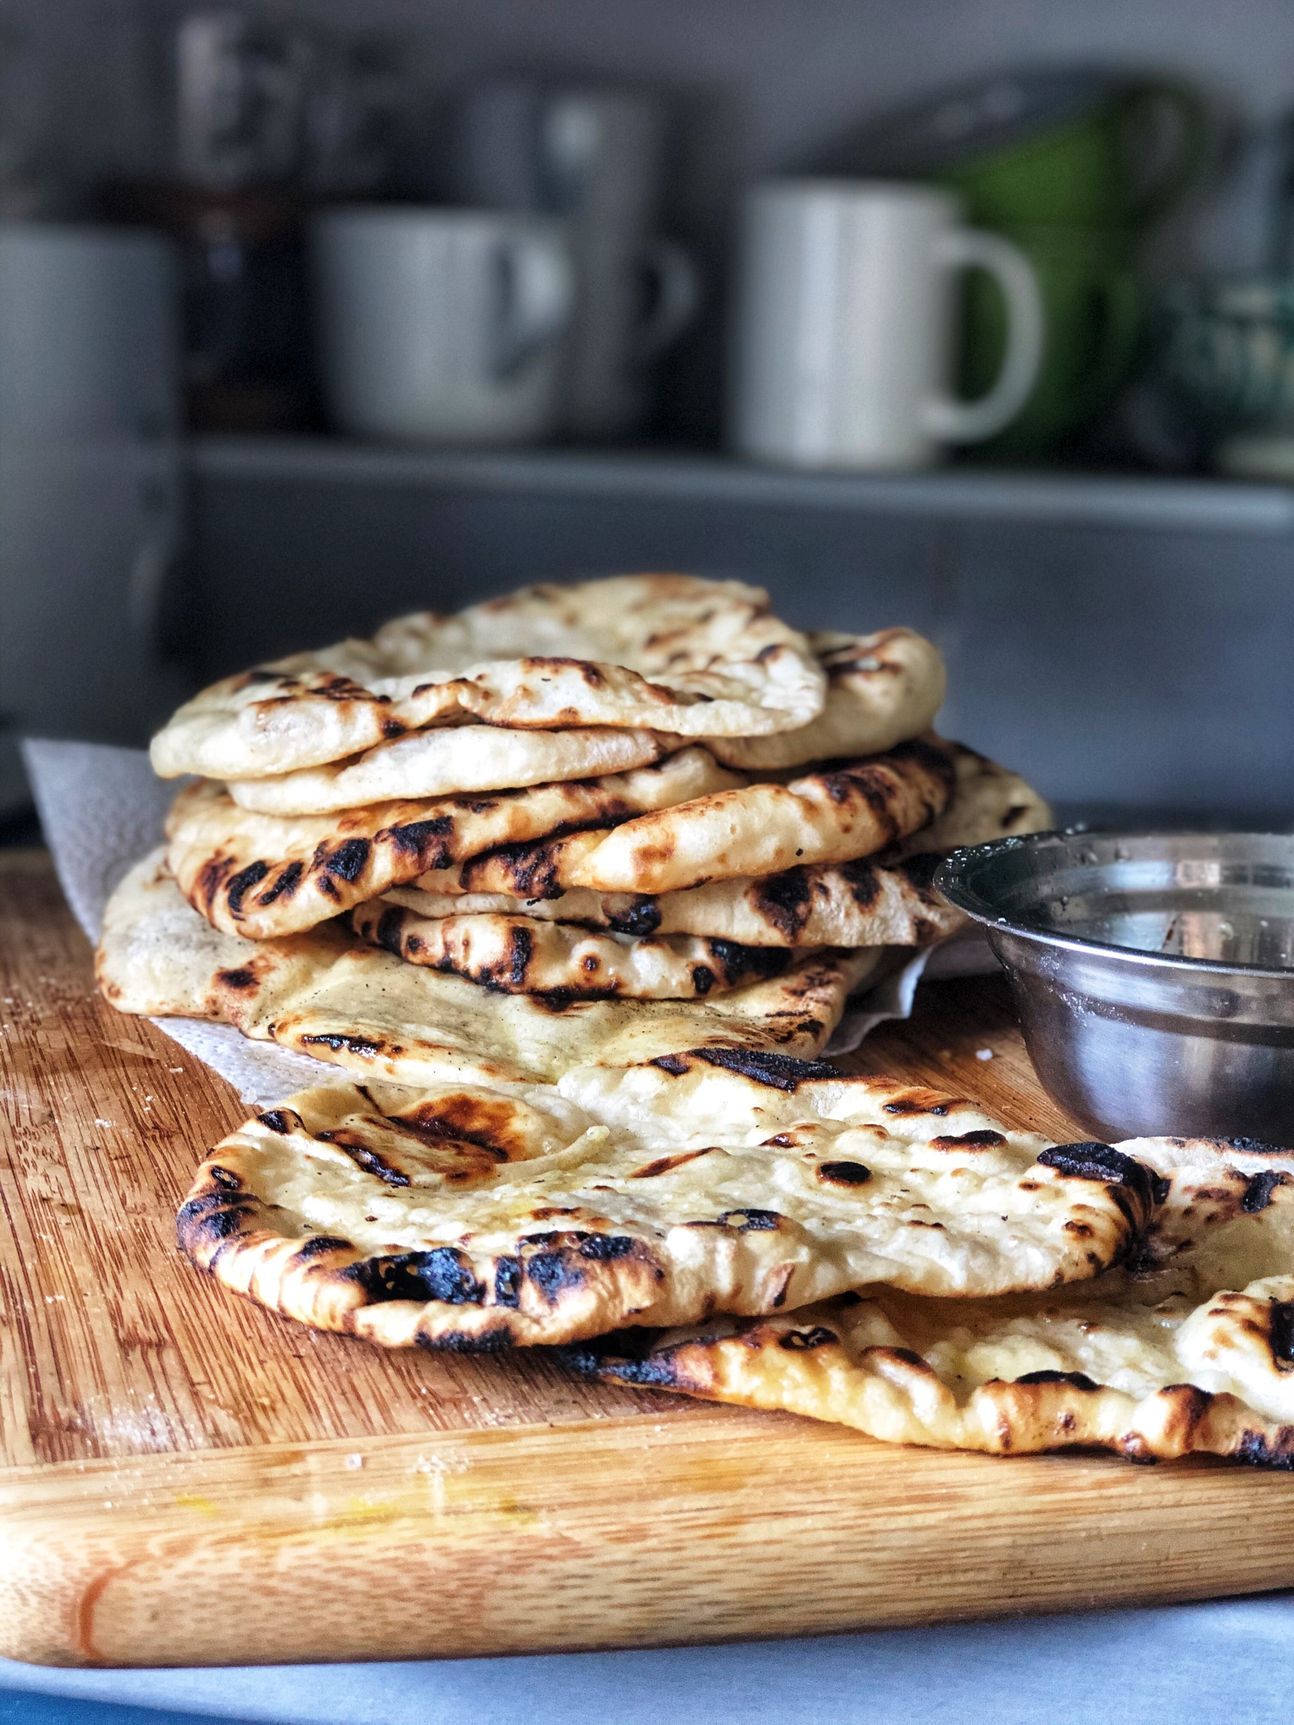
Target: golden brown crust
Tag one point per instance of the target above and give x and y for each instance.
(269, 875)
(319, 993)
(718, 1179)
(870, 902)
(666, 652)
(1187, 1348)
(847, 809)
(518, 954)
(884, 900)
(811, 1363)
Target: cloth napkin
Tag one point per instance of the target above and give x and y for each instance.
(102, 809)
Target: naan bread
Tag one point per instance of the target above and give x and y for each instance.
(463, 1219)
(522, 955)
(886, 900)
(864, 903)
(264, 875)
(362, 1009)
(882, 689)
(988, 803)
(450, 760)
(659, 652)
(1187, 1350)
(849, 809)
(267, 875)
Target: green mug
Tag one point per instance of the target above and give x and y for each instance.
(1093, 316)
(1120, 160)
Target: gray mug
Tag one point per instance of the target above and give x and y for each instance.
(594, 155)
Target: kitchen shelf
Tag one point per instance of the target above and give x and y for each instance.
(1074, 498)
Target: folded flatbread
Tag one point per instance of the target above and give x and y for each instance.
(686, 819)
(656, 652)
(882, 689)
(267, 875)
(518, 954)
(883, 900)
(1187, 1349)
(449, 760)
(845, 810)
(463, 1219)
(321, 994)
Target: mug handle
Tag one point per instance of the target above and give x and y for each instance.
(1179, 116)
(539, 300)
(954, 421)
(678, 296)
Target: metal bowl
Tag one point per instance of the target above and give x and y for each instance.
(1153, 973)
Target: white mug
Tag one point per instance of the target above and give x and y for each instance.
(443, 326)
(847, 324)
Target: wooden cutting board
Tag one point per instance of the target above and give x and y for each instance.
(187, 1479)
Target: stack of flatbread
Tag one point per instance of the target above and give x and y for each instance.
(598, 822)
(573, 883)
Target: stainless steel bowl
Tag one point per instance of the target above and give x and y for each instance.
(1153, 973)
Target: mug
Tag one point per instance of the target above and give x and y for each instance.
(846, 326)
(1122, 161)
(89, 338)
(634, 298)
(1225, 351)
(1093, 316)
(593, 152)
(91, 483)
(442, 326)
(595, 155)
(1063, 146)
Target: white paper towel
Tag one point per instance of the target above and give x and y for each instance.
(102, 809)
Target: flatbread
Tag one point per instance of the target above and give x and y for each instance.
(265, 875)
(660, 652)
(887, 900)
(864, 903)
(1187, 1350)
(449, 760)
(462, 1219)
(269, 875)
(990, 802)
(848, 809)
(882, 689)
(362, 1009)
(519, 954)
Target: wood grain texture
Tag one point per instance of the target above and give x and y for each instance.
(164, 1446)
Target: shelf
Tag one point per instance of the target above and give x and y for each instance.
(1072, 498)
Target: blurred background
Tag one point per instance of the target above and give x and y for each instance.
(971, 315)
